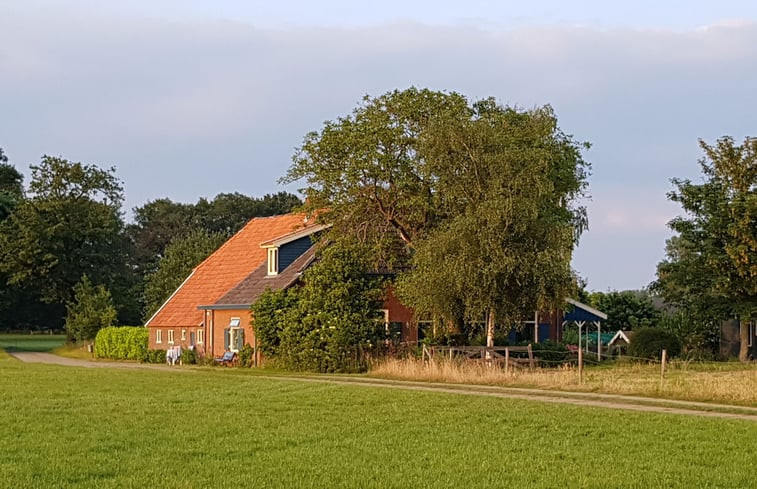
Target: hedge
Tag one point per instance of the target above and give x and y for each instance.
(649, 343)
(121, 343)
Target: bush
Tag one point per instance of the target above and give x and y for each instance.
(188, 357)
(154, 356)
(553, 353)
(649, 343)
(246, 356)
(121, 343)
(91, 310)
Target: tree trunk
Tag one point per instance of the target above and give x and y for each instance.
(744, 339)
(490, 329)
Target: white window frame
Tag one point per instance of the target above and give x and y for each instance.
(170, 337)
(183, 335)
(273, 261)
(158, 336)
(200, 336)
(233, 332)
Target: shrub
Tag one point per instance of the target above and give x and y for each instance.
(246, 355)
(553, 353)
(121, 343)
(188, 357)
(331, 323)
(154, 356)
(91, 310)
(649, 343)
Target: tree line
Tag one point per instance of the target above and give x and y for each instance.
(66, 247)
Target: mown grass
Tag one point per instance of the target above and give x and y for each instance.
(730, 383)
(31, 342)
(78, 427)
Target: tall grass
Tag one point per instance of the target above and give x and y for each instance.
(725, 383)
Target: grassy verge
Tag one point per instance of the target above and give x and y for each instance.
(72, 427)
(728, 383)
(31, 342)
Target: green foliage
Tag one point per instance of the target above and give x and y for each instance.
(69, 227)
(188, 357)
(484, 195)
(154, 356)
(626, 309)
(91, 310)
(273, 311)
(699, 335)
(182, 255)
(649, 343)
(330, 323)
(246, 356)
(11, 187)
(711, 262)
(159, 222)
(122, 342)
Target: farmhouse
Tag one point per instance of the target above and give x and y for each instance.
(210, 311)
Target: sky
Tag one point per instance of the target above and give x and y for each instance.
(190, 98)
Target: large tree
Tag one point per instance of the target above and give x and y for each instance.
(367, 173)
(482, 197)
(508, 182)
(70, 226)
(626, 309)
(11, 187)
(711, 263)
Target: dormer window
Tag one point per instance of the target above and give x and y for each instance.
(273, 261)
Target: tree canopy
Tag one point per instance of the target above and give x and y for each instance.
(711, 263)
(11, 187)
(69, 227)
(476, 203)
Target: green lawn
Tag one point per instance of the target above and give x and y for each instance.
(29, 342)
(216, 428)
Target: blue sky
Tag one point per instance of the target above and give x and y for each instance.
(192, 98)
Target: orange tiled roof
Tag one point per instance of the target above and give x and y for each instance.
(224, 269)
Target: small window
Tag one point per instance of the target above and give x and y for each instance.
(200, 336)
(183, 334)
(234, 323)
(158, 336)
(170, 336)
(273, 261)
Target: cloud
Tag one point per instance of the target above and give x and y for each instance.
(195, 108)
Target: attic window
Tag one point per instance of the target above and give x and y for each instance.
(273, 261)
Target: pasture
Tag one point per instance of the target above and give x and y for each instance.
(31, 342)
(215, 427)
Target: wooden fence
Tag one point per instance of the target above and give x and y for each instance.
(497, 354)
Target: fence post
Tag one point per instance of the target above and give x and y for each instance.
(580, 366)
(507, 359)
(662, 367)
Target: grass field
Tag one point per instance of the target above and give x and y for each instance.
(217, 428)
(29, 342)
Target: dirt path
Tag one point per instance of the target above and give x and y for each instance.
(49, 358)
(608, 401)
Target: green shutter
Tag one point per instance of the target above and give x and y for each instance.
(226, 338)
(240, 339)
